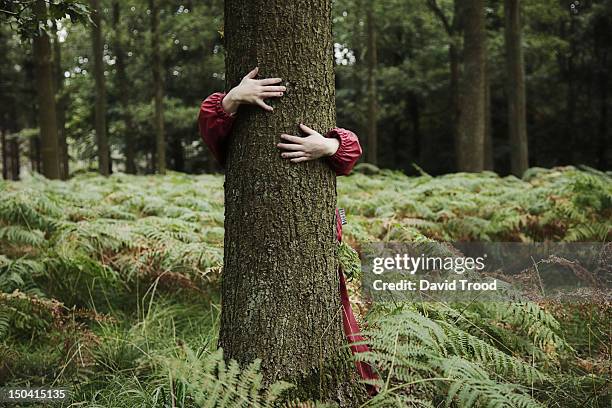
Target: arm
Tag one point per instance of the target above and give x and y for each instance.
(349, 151)
(339, 146)
(215, 125)
(218, 111)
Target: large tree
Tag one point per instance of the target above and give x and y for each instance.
(515, 88)
(471, 130)
(47, 120)
(280, 299)
(100, 116)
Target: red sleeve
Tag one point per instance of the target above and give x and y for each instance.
(348, 152)
(215, 125)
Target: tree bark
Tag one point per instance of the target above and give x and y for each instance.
(98, 51)
(47, 119)
(158, 87)
(5, 155)
(122, 82)
(280, 299)
(515, 88)
(372, 147)
(60, 99)
(471, 131)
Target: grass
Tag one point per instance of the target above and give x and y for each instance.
(110, 287)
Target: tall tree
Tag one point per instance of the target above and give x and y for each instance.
(158, 88)
(47, 119)
(488, 133)
(60, 99)
(471, 130)
(515, 88)
(280, 298)
(372, 151)
(452, 27)
(122, 84)
(98, 52)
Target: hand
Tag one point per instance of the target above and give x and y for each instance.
(310, 147)
(252, 91)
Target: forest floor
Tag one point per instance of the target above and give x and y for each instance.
(110, 287)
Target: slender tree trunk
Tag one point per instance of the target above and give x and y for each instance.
(567, 157)
(60, 99)
(603, 127)
(158, 86)
(488, 141)
(415, 118)
(470, 143)
(5, 155)
(98, 52)
(35, 159)
(177, 152)
(515, 88)
(14, 158)
(47, 118)
(122, 84)
(280, 300)
(372, 147)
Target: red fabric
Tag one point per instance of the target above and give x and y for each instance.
(215, 124)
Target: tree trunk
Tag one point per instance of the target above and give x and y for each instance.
(372, 147)
(415, 118)
(122, 85)
(158, 86)
(515, 88)
(98, 51)
(280, 300)
(470, 143)
(47, 119)
(488, 141)
(5, 155)
(14, 158)
(570, 129)
(60, 100)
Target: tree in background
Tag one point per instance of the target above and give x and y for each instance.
(515, 88)
(279, 289)
(60, 104)
(372, 145)
(122, 85)
(471, 131)
(47, 119)
(158, 88)
(104, 165)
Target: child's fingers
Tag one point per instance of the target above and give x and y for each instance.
(293, 139)
(288, 146)
(299, 159)
(270, 94)
(307, 129)
(270, 88)
(293, 155)
(269, 81)
(252, 74)
(265, 106)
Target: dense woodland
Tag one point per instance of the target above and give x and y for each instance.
(135, 280)
(128, 83)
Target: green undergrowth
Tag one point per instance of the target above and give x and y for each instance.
(110, 287)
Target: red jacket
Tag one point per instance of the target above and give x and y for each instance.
(215, 125)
